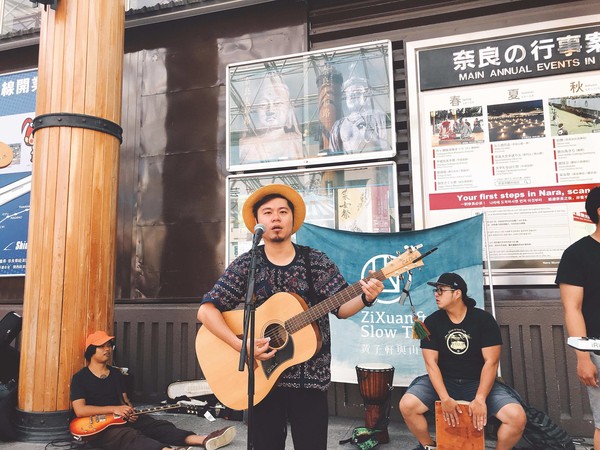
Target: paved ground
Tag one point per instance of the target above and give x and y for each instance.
(339, 428)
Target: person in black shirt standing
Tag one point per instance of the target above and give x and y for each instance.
(98, 389)
(578, 277)
(461, 356)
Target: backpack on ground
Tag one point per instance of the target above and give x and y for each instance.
(364, 438)
(8, 403)
(541, 432)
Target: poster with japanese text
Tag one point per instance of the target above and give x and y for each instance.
(510, 127)
(359, 198)
(17, 110)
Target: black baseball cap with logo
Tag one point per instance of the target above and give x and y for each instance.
(454, 281)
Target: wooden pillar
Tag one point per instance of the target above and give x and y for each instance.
(69, 281)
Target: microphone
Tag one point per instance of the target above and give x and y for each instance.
(259, 229)
(406, 288)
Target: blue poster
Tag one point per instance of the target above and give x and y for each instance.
(382, 334)
(17, 110)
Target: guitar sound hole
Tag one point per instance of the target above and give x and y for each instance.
(277, 334)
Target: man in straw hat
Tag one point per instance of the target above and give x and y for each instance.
(300, 395)
(461, 356)
(99, 389)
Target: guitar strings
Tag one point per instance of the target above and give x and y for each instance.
(302, 319)
(310, 315)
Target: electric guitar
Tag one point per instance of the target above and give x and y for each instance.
(83, 428)
(289, 322)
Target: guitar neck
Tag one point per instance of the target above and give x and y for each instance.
(139, 412)
(301, 320)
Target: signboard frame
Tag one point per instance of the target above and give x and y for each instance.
(351, 197)
(322, 107)
(448, 163)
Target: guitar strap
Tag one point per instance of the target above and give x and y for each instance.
(305, 251)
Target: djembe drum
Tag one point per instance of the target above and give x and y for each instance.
(375, 385)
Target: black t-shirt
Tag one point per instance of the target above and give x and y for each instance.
(98, 391)
(459, 344)
(580, 266)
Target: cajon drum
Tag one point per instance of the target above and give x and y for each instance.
(464, 436)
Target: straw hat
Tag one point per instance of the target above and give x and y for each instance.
(285, 191)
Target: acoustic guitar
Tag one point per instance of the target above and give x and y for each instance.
(289, 322)
(83, 428)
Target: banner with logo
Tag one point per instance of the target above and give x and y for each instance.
(383, 332)
(17, 110)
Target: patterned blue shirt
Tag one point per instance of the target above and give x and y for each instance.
(230, 290)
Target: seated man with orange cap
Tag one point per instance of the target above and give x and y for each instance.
(99, 389)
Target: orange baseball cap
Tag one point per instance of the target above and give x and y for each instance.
(97, 338)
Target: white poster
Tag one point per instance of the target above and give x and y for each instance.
(524, 151)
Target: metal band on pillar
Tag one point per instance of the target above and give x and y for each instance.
(78, 121)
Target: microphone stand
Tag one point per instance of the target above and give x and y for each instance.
(406, 288)
(247, 356)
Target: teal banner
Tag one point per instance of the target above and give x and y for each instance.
(382, 334)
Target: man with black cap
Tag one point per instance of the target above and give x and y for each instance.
(578, 277)
(300, 394)
(99, 389)
(461, 356)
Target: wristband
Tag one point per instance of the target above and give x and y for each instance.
(365, 302)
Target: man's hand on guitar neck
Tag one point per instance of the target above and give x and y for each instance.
(125, 411)
(371, 288)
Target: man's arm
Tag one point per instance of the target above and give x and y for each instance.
(213, 320)
(372, 288)
(126, 400)
(572, 300)
(82, 409)
(450, 407)
(478, 407)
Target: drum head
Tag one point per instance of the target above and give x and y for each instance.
(374, 366)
